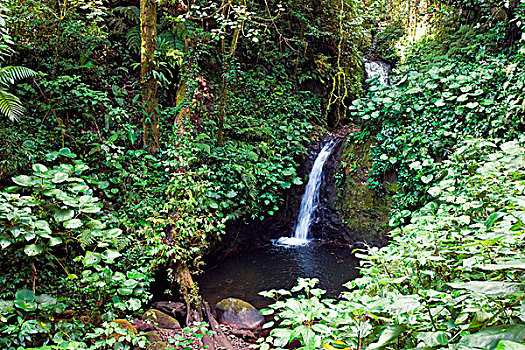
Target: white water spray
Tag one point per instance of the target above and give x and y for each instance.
(309, 200)
(378, 69)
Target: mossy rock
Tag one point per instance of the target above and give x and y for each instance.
(161, 319)
(152, 337)
(159, 345)
(124, 325)
(95, 318)
(238, 314)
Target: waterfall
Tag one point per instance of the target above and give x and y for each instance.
(378, 69)
(310, 199)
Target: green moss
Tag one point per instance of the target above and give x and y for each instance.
(125, 325)
(161, 319)
(152, 337)
(160, 345)
(236, 305)
(363, 210)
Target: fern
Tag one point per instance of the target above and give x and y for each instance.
(9, 75)
(131, 13)
(121, 242)
(133, 39)
(10, 105)
(5, 39)
(86, 238)
(171, 40)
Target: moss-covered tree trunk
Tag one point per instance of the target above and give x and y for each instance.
(190, 292)
(150, 117)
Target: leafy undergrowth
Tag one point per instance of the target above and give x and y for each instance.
(450, 279)
(427, 112)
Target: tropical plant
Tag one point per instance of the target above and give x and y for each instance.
(452, 278)
(10, 105)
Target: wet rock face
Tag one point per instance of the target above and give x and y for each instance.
(348, 211)
(362, 211)
(327, 223)
(238, 314)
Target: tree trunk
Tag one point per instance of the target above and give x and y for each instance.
(190, 292)
(150, 117)
(227, 67)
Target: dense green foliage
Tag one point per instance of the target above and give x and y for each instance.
(450, 128)
(449, 278)
(89, 210)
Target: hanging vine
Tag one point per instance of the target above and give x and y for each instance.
(339, 90)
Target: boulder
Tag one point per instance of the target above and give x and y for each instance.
(142, 326)
(124, 325)
(238, 314)
(161, 319)
(160, 345)
(173, 308)
(152, 337)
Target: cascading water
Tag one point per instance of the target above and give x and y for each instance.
(309, 200)
(378, 69)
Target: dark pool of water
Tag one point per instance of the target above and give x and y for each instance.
(244, 275)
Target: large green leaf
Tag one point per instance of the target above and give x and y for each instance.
(32, 249)
(25, 300)
(510, 345)
(92, 258)
(518, 264)
(60, 177)
(512, 147)
(66, 152)
(489, 338)
(23, 180)
(64, 214)
(492, 219)
(491, 289)
(73, 223)
(45, 301)
(433, 339)
(39, 168)
(25, 295)
(53, 241)
(388, 335)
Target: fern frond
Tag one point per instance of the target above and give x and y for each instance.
(131, 13)
(171, 40)
(134, 39)
(86, 238)
(10, 106)
(121, 242)
(10, 74)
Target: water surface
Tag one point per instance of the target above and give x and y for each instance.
(244, 275)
